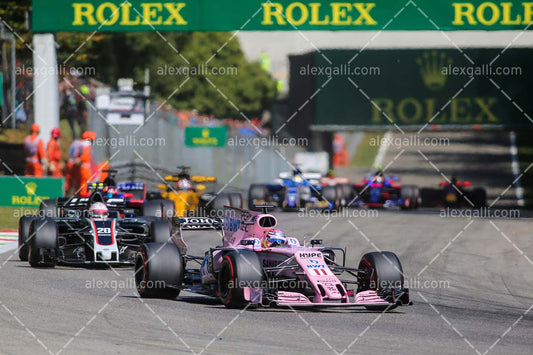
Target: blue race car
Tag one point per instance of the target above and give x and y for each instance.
(294, 191)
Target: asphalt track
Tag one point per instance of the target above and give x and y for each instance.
(482, 304)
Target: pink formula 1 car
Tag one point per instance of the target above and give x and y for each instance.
(258, 265)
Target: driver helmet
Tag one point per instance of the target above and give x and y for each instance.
(98, 210)
(275, 238)
(184, 184)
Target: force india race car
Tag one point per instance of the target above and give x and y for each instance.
(78, 237)
(247, 271)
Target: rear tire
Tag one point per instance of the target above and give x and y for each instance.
(256, 192)
(225, 199)
(158, 270)
(236, 200)
(331, 195)
(168, 208)
(479, 197)
(25, 236)
(347, 194)
(43, 245)
(160, 231)
(410, 195)
(48, 208)
(383, 270)
(239, 269)
(430, 197)
(153, 208)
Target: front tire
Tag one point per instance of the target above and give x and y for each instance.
(43, 245)
(24, 236)
(382, 270)
(158, 270)
(239, 269)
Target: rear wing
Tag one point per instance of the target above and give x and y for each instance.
(131, 186)
(197, 223)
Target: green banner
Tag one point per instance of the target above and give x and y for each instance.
(28, 192)
(281, 15)
(205, 136)
(471, 87)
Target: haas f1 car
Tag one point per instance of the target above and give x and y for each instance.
(454, 193)
(90, 235)
(258, 265)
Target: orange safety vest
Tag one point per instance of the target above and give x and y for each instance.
(53, 151)
(33, 149)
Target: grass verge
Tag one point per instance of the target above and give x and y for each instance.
(366, 153)
(9, 216)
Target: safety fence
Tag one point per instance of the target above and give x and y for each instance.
(147, 153)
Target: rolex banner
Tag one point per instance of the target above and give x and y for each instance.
(470, 87)
(29, 191)
(278, 15)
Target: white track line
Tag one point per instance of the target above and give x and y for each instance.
(516, 169)
(383, 147)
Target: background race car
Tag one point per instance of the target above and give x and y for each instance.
(384, 191)
(77, 237)
(251, 267)
(454, 193)
(190, 197)
(297, 190)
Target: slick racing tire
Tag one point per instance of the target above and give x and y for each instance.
(160, 231)
(153, 195)
(168, 208)
(25, 236)
(48, 208)
(382, 270)
(479, 197)
(152, 208)
(410, 195)
(158, 270)
(43, 245)
(233, 199)
(236, 200)
(347, 194)
(332, 195)
(239, 269)
(430, 197)
(256, 192)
